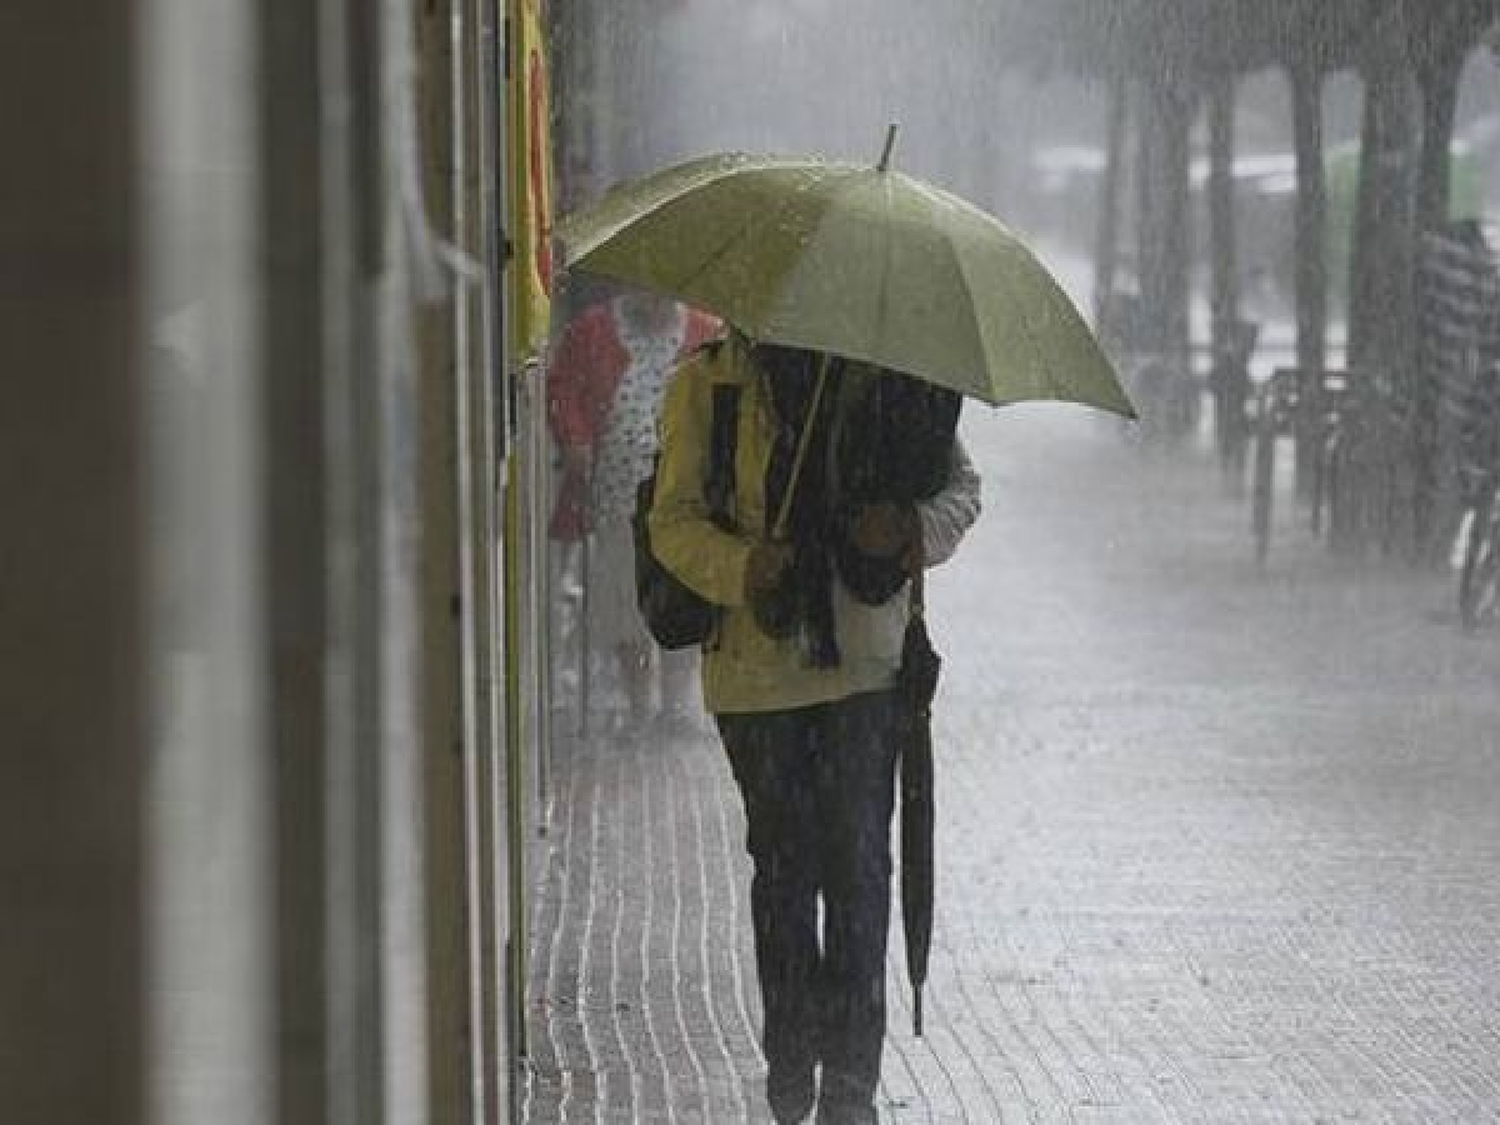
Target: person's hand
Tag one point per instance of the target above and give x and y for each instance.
(768, 561)
(885, 530)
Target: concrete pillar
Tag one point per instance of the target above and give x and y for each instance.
(1230, 355)
(1312, 253)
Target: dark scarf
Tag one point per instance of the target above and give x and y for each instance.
(802, 605)
(895, 447)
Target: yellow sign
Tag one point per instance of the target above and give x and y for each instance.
(531, 177)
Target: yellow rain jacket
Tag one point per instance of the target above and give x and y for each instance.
(746, 670)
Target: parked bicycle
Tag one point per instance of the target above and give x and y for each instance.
(1476, 551)
(1477, 554)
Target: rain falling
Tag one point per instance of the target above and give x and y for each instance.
(1215, 741)
(621, 562)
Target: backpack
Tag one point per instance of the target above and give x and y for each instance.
(675, 616)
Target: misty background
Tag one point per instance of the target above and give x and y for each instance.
(993, 100)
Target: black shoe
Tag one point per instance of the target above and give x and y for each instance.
(843, 1102)
(791, 1097)
(846, 1115)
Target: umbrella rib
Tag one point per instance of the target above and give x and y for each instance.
(972, 304)
(1050, 381)
(1051, 385)
(883, 299)
(757, 221)
(650, 209)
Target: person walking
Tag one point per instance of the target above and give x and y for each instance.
(604, 388)
(848, 480)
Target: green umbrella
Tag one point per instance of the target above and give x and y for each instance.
(860, 261)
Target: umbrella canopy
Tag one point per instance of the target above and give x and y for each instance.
(856, 260)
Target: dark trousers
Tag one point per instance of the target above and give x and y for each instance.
(818, 788)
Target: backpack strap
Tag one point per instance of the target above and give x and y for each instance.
(723, 441)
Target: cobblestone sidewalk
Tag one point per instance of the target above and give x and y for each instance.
(1216, 845)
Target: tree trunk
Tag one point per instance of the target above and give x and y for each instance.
(1165, 225)
(1312, 262)
(1230, 357)
(1438, 75)
(1107, 239)
(1382, 314)
(1439, 58)
(1381, 308)
(1439, 91)
(1178, 252)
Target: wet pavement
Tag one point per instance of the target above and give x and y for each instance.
(1216, 843)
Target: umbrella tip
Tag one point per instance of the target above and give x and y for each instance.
(916, 1010)
(890, 145)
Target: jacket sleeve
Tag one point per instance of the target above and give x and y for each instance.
(708, 560)
(948, 515)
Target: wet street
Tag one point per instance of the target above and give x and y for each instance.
(1216, 844)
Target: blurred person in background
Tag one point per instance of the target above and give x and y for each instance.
(605, 384)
